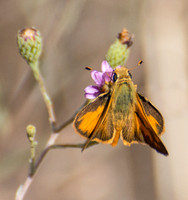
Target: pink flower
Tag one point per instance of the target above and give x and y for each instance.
(100, 78)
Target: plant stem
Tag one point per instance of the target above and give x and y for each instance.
(58, 146)
(56, 129)
(46, 97)
(32, 159)
(23, 188)
(50, 143)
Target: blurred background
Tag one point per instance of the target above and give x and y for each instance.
(77, 34)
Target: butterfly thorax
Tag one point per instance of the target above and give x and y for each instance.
(123, 97)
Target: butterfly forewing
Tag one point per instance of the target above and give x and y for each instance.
(94, 121)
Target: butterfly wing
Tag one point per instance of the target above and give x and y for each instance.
(154, 116)
(94, 121)
(150, 124)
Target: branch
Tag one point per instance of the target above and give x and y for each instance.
(23, 188)
(29, 43)
(56, 129)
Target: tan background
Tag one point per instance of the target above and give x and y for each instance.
(77, 34)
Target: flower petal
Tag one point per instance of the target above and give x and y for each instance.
(107, 77)
(91, 89)
(106, 67)
(91, 92)
(97, 77)
(90, 96)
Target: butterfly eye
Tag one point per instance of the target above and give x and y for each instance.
(130, 74)
(114, 77)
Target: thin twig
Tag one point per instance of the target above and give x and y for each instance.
(56, 129)
(47, 100)
(50, 145)
(51, 141)
(36, 72)
(23, 188)
(20, 193)
(59, 146)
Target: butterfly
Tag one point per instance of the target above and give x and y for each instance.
(119, 111)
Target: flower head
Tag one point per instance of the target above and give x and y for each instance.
(29, 44)
(119, 51)
(100, 78)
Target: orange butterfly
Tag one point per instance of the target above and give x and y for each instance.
(118, 111)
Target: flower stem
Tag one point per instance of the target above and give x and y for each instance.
(56, 128)
(32, 159)
(23, 188)
(58, 146)
(36, 72)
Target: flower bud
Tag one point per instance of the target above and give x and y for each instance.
(119, 51)
(31, 132)
(30, 44)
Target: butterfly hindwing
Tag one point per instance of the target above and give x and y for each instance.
(147, 127)
(153, 115)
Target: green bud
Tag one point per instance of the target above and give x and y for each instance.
(30, 44)
(119, 51)
(31, 132)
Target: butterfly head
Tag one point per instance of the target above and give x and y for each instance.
(121, 73)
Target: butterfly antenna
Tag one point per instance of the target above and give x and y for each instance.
(139, 63)
(88, 68)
